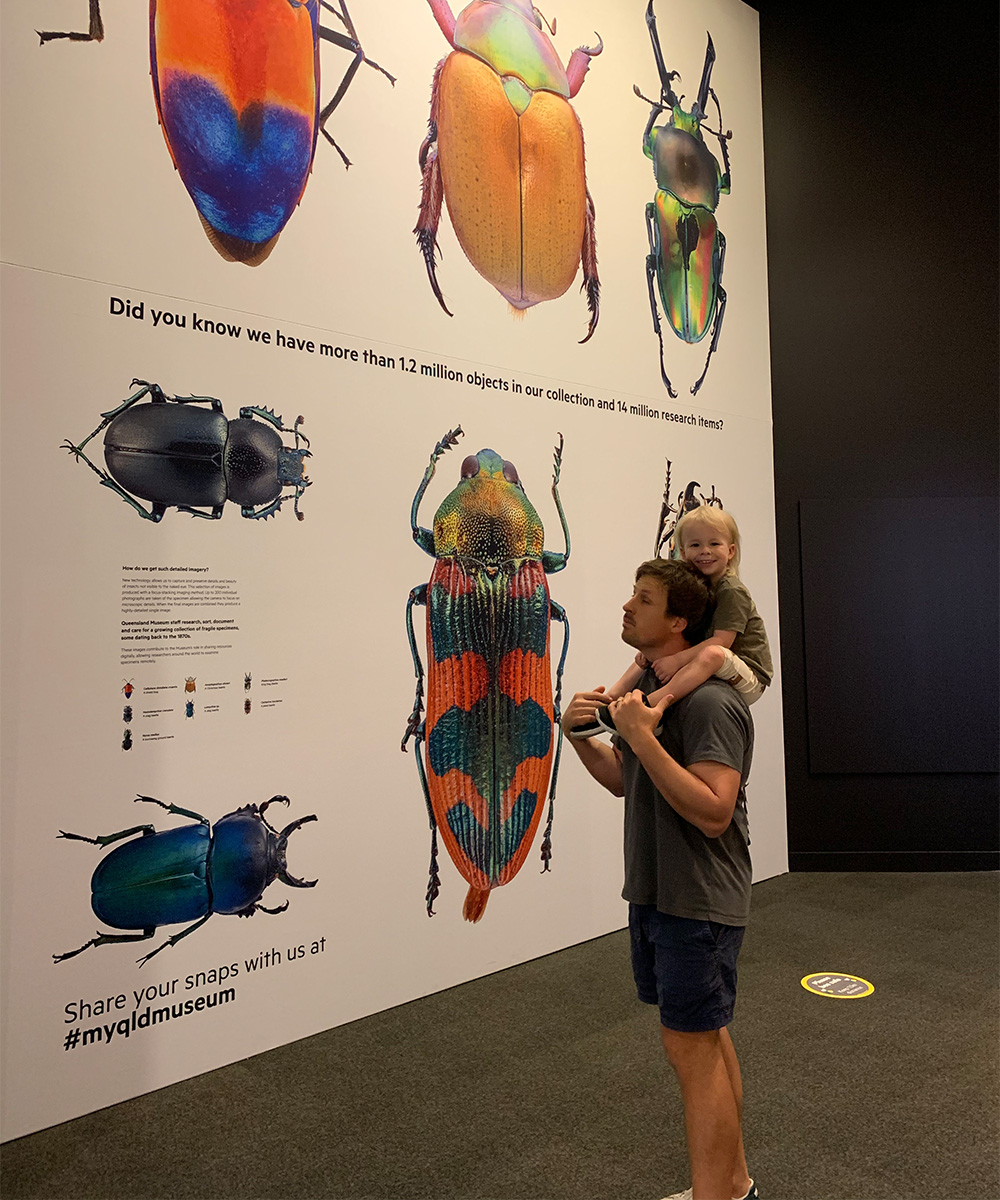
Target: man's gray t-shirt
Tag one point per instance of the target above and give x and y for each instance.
(668, 861)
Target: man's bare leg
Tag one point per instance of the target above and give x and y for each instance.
(741, 1177)
(711, 1113)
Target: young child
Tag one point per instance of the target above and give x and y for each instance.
(735, 647)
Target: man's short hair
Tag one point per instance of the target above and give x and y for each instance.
(687, 592)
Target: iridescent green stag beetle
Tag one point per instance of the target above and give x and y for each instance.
(686, 247)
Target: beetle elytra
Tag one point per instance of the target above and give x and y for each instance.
(237, 90)
(504, 149)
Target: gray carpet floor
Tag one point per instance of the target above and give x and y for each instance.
(547, 1081)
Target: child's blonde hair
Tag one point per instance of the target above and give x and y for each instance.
(717, 519)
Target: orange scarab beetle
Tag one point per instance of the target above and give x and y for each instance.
(505, 150)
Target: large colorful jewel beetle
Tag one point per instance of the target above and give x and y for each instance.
(237, 88)
(504, 149)
(193, 459)
(188, 873)
(687, 250)
(491, 736)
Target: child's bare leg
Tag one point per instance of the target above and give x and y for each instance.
(693, 674)
(627, 682)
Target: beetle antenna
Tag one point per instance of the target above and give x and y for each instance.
(652, 103)
(274, 800)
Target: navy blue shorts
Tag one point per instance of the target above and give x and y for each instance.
(687, 967)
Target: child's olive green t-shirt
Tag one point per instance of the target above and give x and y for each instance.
(735, 612)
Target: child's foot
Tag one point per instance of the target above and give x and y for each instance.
(606, 722)
(587, 731)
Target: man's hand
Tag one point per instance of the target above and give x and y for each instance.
(634, 719)
(601, 759)
(582, 709)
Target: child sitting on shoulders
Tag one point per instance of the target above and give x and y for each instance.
(735, 647)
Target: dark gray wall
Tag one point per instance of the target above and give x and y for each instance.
(880, 137)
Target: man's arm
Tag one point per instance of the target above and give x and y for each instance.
(600, 759)
(704, 793)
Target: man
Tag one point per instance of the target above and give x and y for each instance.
(687, 864)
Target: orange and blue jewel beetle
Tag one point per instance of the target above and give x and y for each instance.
(488, 749)
(504, 148)
(237, 89)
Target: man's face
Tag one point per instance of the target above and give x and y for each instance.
(646, 624)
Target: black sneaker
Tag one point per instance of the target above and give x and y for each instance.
(606, 722)
(589, 730)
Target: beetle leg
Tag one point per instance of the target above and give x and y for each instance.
(172, 941)
(415, 729)
(216, 404)
(108, 939)
(579, 64)
(172, 808)
(107, 838)
(588, 258)
(431, 192)
(652, 258)
(415, 722)
(445, 18)
(154, 514)
(254, 514)
(556, 613)
(329, 35)
(654, 111)
(433, 878)
(719, 314)
(214, 515)
(726, 183)
(96, 33)
(352, 44)
(145, 390)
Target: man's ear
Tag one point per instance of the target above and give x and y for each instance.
(678, 624)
